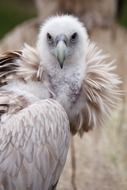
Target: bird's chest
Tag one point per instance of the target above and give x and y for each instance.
(67, 89)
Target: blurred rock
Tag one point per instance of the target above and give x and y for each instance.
(93, 12)
(26, 32)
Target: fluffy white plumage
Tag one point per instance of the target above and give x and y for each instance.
(65, 66)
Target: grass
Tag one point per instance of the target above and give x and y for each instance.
(13, 12)
(123, 15)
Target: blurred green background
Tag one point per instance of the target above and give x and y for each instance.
(122, 16)
(13, 12)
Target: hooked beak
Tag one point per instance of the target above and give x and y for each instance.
(61, 49)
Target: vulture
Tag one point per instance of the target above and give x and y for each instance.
(64, 85)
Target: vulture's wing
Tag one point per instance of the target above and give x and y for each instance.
(23, 65)
(100, 89)
(8, 65)
(34, 141)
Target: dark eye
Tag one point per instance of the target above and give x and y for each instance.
(49, 38)
(74, 37)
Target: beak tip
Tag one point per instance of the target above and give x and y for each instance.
(61, 65)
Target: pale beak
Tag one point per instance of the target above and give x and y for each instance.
(61, 49)
(61, 52)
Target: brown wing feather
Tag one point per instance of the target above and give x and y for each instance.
(23, 65)
(8, 65)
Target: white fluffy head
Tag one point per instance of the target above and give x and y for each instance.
(66, 25)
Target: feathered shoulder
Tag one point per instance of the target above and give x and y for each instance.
(101, 88)
(8, 64)
(23, 65)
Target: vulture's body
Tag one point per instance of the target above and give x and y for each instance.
(34, 146)
(64, 66)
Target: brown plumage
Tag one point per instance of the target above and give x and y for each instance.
(7, 65)
(101, 87)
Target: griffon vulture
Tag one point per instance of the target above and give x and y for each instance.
(67, 67)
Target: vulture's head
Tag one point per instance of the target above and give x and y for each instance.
(62, 41)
